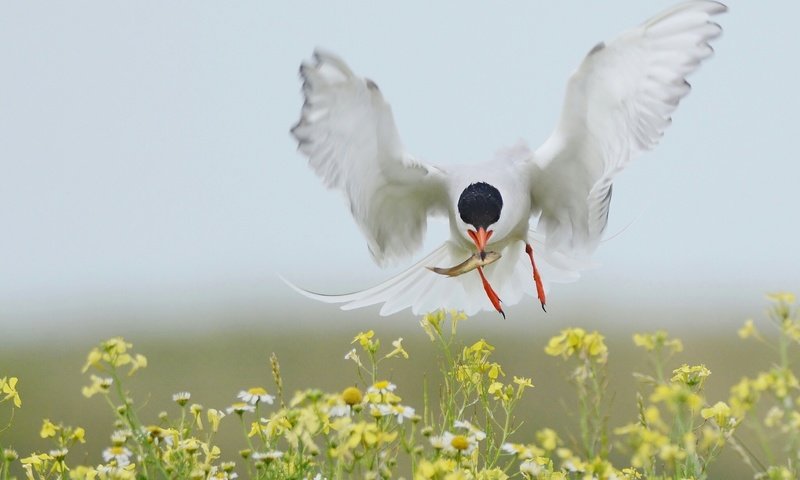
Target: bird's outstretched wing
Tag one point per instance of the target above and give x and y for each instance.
(348, 133)
(618, 104)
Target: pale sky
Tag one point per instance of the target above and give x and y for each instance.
(147, 165)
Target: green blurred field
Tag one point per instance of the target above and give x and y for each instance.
(214, 366)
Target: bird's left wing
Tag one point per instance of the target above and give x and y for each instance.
(618, 104)
(347, 131)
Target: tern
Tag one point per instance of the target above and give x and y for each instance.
(551, 203)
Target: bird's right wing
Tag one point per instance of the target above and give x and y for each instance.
(618, 104)
(348, 133)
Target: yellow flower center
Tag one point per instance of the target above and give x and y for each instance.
(257, 391)
(381, 385)
(351, 396)
(459, 442)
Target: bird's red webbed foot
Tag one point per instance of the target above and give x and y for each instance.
(491, 293)
(536, 277)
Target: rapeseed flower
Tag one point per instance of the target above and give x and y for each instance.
(398, 349)
(691, 376)
(8, 386)
(656, 341)
(576, 341)
(720, 412)
(48, 429)
(99, 385)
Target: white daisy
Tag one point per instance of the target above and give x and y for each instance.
(384, 386)
(256, 395)
(266, 457)
(400, 411)
(181, 398)
(119, 454)
(239, 408)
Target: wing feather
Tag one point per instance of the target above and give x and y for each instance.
(348, 133)
(618, 104)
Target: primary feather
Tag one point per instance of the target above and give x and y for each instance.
(618, 104)
(348, 133)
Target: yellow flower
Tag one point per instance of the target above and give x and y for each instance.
(720, 412)
(575, 341)
(459, 442)
(691, 376)
(782, 297)
(214, 416)
(196, 409)
(36, 460)
(656, 341)
(398, 349)
(48, 429)
(773, 417)
(498, 390)
(748, 330)
(432, 323)
(92, 360)
(82, 472)
(99, 385)
(137, 361)
(352, 396)
(365, 340)
(523, 382)
(9, 387)
(548, 439)
(675, 395)
(671, 453)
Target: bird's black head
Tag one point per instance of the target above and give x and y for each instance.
(479, 205)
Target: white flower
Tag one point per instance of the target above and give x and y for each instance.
(353, 355)
(530, 467)
(240, 408)
(384, 386)
(438, 442)
(256, 395)
(181, 398)
(267, 456)
(399, 411)
(473, 430)
(341, 410)
(120, 455)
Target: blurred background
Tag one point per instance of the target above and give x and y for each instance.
(149, 188)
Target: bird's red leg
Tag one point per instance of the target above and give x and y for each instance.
(491, 293)
(536, 277)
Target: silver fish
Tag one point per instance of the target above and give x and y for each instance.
(468, 265)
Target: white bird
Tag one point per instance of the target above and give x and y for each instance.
(553, 201)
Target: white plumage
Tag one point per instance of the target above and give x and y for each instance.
(556, 198)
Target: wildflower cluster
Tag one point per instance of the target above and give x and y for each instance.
(9, 396)
(466, 429)
(589, 352)
(768, 403)
(676, 432)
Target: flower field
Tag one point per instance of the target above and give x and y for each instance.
(449, 403)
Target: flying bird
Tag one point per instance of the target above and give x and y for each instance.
(524, 219)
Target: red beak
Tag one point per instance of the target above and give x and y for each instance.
(480, 238)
